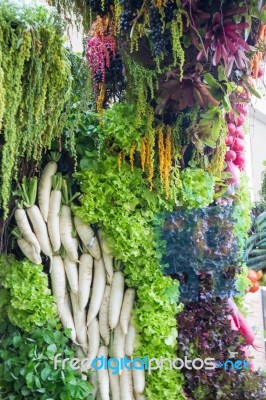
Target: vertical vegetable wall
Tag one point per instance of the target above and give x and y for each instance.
(143, 192)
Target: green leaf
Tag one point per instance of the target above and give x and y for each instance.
(52, 348)
(3, 327)
(25, 391)
(16, 340)
(85, 163)
(46, 372)
(37, 382)
(30, 380)
(210, 80)
(251, 89)
(172, 293)
(48, 337)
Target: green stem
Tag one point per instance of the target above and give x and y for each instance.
(28, 192)
(54, 156)
(57, 181)
(65, 192)
(67, 197)
(16, 233)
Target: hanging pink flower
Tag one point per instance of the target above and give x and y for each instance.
(100, 50)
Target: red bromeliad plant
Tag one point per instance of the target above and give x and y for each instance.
(176, 95)
(224, 41)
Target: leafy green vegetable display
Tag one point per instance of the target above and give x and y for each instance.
(24, 294)
(121, 125)
(197, 188)
(121, 202)
(27, 366)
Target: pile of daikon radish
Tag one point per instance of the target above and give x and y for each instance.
(91, 296)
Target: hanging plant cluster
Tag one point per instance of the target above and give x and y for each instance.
(161, 72)
(35, 85)
(104, 61)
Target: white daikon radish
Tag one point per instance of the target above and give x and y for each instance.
(99, 397)
(104, 244)
(98, 287)
(66, 317)
(107, 255)
(119, 343)
(127, 308)
(66, 228)
(130, 340)
(40, 229)
(108, 263)
(44, 188)
(54, 213)
(114, 384)
(58, 279)
(85, 279)
(126, 385)
(25, 228)
(138, 378)
(29, 251)
(94, 340)
(103, 316)
(103, 376)
(93, 379)
(116, 298)
(140, 397)
(72, 274)
(80, 322)
(88, 237)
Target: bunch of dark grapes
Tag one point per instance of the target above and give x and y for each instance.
(114, 73)
(130, 9)
(169, 10)
(126, 18)
(115, 79)
(156, 25)
(98, 8)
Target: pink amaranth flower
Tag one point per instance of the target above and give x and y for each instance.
(99, 51)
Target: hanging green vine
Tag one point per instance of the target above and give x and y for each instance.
(177, 33)
(77, 8)
(141, 83)
(35, 85)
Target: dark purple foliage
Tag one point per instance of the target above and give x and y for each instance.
(205, 331)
